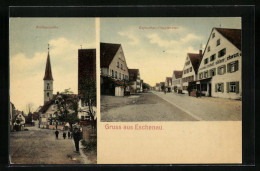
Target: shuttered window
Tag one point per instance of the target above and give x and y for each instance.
(222, 70)
(233, 87)
(232, 67)
(219, 87)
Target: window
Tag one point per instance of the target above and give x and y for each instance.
(222, 70)
(201, 75)
(190, 69)
(82, 117)
(206, 61)
(123, 76)
(233, 87)
(121, 66)
(219, 87)
(208, 48)
(206, 74)
(212, 72)
(222, 52)
(47, 94)
(212, 57)
(232, 67)
(119, 76)
(116, 74)
(213, 35)
(112, 73)
(203, 87)
(48, 86)
(218, 42)
(51, 115)
(117, 64)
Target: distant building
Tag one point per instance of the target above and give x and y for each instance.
(141, 86)
(19, 121)
(177, 80)
(190, 69)
(113, 65)
(157, 87)
(220, 70)
(168, 84)
(162, 84)
(134, 78)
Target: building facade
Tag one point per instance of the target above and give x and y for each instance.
(220, 70)
(190, 69)
(135, 81)
(168, 84)
(177, 81)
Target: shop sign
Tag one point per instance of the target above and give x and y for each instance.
(233, 56)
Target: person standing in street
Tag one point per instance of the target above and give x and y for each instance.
(64, 135)
(57, 134)
(77, 137)
(69, 135)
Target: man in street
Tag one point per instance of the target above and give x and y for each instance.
(77, 137)
(57, 134)
(64, 135)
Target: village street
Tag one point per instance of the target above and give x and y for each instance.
(157, 106)
(39, 146)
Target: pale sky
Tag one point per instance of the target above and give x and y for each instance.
(28, 53)
(157, 52)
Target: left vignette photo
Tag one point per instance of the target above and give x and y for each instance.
(52, 91)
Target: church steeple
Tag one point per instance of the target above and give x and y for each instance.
(48, 73)
(48, 80)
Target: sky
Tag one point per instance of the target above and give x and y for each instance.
(157, 46)
(29, 38)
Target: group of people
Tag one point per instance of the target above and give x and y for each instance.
(64, 134)
(76, 134)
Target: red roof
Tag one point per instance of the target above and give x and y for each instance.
(177, 74)
(48, 73)
(195, 59)
(107, 53)
(233, 35)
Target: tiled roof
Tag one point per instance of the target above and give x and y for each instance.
(195, 60)
(48, 73)
(107, 53)
(233, 35)
(133, 74)
(46, 106)
(177, 74)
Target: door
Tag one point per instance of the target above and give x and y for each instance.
(209, 89)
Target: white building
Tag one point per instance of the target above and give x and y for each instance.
(220, 70)
(135, 81)
(113, 64)
(190, 69)
(168, 84)
(177, 80)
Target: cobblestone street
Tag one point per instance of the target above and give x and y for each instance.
(157, 106)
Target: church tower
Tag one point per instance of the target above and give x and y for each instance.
(48, 80)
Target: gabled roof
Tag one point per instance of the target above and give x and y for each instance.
(177, 74)
(133, 74)
(48, 73)
(107, 53)
(195, 59)
(46, 106)
(233, 35)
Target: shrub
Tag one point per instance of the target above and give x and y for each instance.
(89, 146)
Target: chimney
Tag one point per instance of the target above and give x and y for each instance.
(200, 52)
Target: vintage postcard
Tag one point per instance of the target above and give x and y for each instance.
(53, 91)
(171, 90)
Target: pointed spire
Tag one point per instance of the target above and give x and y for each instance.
(48, 73)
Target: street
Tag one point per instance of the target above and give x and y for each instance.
(157, 106)
(39, 146)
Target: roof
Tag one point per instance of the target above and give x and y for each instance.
(133, 74)
(48, 73)
(107, 53)
(233, 35)
(168, 78)
(162, 83)
(158, 84)
(177, 74)
(195, 59)
(46, 106)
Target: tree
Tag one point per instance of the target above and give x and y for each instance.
(29, 107)
(67, 104)
(146, 86)
(88, 94)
